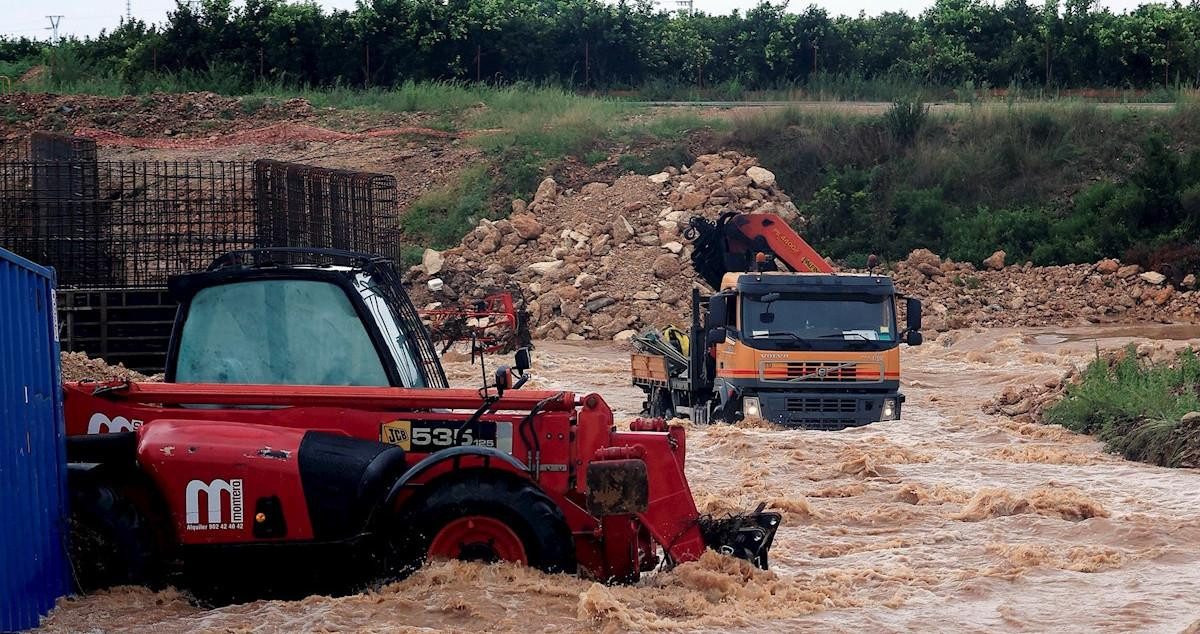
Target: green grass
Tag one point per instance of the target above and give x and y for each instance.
(440, 218)
(1134, 406)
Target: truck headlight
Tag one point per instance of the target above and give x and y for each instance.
(889, 409)
(750, 406)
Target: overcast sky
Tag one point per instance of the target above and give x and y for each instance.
(88, 17)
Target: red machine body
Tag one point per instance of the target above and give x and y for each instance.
(216, 452)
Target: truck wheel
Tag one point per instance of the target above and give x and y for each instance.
(111, 542)
(502, 519)
(661, 405)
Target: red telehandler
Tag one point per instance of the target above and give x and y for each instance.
(305, 440)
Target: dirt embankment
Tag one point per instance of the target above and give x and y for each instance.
(960, 295)
(193, 119)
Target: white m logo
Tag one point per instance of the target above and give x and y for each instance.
(214, 495)
(101, 424)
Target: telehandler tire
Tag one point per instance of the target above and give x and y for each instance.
(111, 541)
(489, 518)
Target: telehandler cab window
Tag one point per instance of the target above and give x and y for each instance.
(297, 332)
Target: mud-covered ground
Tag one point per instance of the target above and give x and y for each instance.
(949, 520)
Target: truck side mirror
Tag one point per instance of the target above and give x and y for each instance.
(716, 335)
(912, 308)
(718, 310)
(522, 360)
(914, 338)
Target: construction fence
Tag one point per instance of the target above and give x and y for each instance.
(131, 224)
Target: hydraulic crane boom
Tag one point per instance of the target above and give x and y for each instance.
(732, 243)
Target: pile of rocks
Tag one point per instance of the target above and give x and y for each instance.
(608, 260)
(76, 366)
(958, 295)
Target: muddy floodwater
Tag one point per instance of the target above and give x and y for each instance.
(948, 520)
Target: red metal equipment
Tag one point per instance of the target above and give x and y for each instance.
(495, 322)
(244, 447)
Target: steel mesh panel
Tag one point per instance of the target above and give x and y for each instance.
(131, 224)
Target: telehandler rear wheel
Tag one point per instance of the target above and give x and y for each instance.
(490, 519)
(111, 542)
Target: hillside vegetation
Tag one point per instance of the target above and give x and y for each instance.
(1047, 184)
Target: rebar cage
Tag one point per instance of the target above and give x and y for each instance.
(131, 224)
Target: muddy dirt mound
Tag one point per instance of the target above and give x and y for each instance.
(609, 259)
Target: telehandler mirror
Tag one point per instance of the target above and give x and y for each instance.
(522, 360)
(914, 338)
(717, 335)
(912, 308)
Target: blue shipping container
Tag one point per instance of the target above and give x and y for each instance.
(33, 563)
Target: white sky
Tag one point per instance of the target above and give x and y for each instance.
(88, 17)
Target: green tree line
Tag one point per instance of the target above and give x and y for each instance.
(591, 43)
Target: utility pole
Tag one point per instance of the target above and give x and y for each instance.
(53, 28)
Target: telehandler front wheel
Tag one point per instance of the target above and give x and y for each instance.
(489, 519)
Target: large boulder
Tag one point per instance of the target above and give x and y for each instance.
(526, 226)
(432, 262)
(543, 268)
(547, 194)
(665, 267)
(762, 178)
(1107, 266)
(925, 261)
(1153, 277)
(995, 261)
(622, 230)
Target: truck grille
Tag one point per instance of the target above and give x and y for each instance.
(824, 371)
(812, 405)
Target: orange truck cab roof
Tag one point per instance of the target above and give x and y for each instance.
(769, 281)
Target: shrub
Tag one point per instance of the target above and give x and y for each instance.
(905, 119)
(1133, 405)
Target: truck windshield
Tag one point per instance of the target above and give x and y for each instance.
(279, 332)
(820, 317)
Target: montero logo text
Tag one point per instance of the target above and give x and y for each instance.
(102, 424)
(215, 496)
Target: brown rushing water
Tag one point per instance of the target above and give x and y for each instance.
(949, 520)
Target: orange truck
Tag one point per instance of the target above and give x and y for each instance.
(785, 338)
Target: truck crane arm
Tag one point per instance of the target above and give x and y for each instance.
(733, 242)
